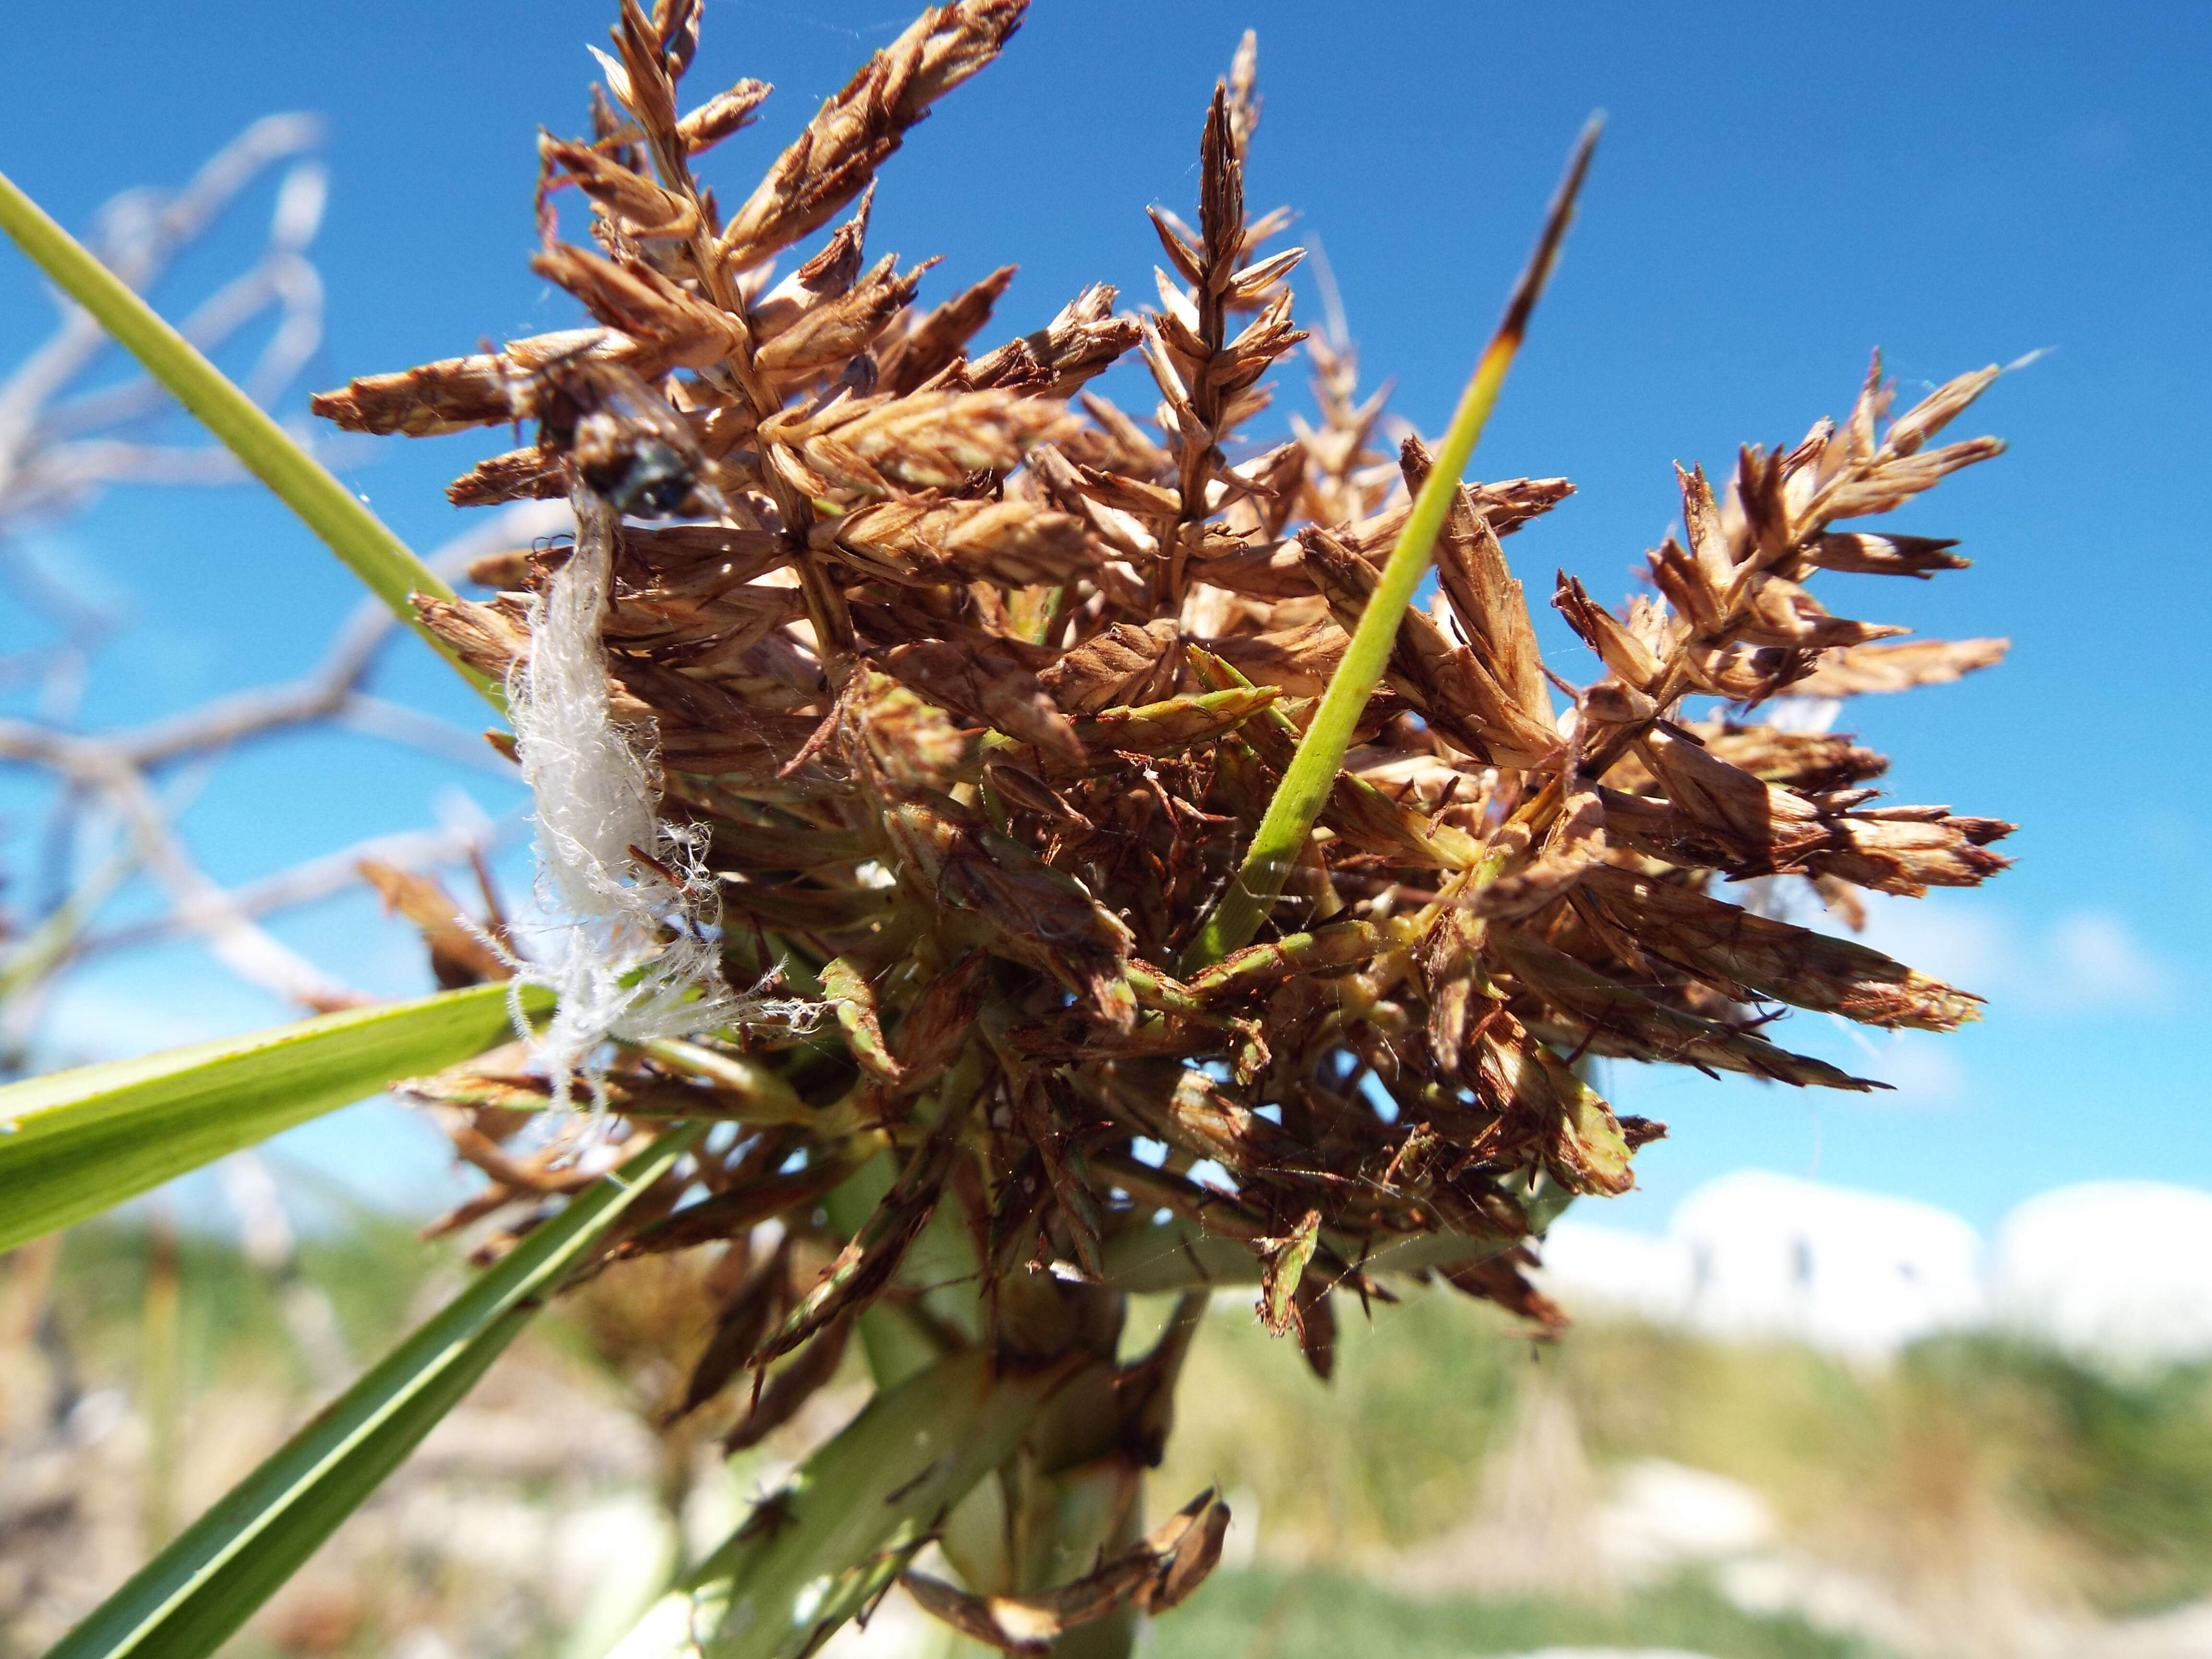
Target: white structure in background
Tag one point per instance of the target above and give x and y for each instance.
(1756, 1254)
(1589, 1266)
(2120, 1269)
(1856, 1273)
(2117, 1270)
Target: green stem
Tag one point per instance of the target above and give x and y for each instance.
(823, 1545)
(1298, 798)
(388, 567)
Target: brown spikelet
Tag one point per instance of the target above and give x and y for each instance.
(935, 343)
(1082, 341)
(857, 129)
(972, 686)
(1899, 667)
(725, 113)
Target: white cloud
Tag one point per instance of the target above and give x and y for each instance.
(2085, 961)
(1921, 1070)
(2100, 963)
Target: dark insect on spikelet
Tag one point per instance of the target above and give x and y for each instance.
(625, 443)
(975, 686)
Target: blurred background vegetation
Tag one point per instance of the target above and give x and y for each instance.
(1457, 1489)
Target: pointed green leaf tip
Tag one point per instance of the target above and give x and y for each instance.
(76, 1143)
(1305, 786)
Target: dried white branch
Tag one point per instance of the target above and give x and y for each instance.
(57, 455)
(113, 771)
(59, 446)
(333, 687)
(200, 903)
(138, 234)
(321, 878)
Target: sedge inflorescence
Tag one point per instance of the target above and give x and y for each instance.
(961, 689)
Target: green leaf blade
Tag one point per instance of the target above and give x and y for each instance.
(1305, 786)
(76, 1143)
(186, 1602)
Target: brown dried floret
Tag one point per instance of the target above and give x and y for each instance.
(990, 690)
(1746, 956)
(639, 206)
(830, 334)
(929, 440)
(484, 389)
(974, 688)
(1453, 690)
(725, 113)
(935, 343)
(1121, 663)
(534, 474)
(1899, 667)
(1080, 342)
(1153, 1576)
(930, 541)
(857, 129)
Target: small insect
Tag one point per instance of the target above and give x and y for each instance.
(629, 447)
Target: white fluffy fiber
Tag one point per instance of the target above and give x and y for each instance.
(629, 953)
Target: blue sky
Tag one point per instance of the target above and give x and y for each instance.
(1777, 192)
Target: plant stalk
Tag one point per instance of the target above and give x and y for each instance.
(831, 1538)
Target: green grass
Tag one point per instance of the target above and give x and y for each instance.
(1968, 1450)
(209, 1579)
(1322, 1615)
(2124, 1465)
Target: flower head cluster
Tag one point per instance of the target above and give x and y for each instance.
(970, 687)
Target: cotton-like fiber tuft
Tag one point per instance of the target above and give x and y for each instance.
(631, 953)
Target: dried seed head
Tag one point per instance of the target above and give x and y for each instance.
(858, 128)
(972, 698)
